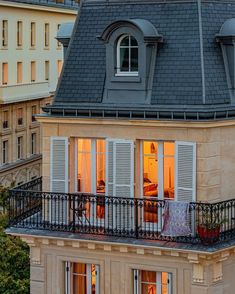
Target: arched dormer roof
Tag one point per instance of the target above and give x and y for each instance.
(228, 28)
(148, 30)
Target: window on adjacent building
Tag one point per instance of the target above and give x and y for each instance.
(19, 33)
(4, 73)
(82, 278)
(5, 151)
(19, 72)
(59, 67)
(146, 282)
(4, 33)
(33, 143)
(5, 123)
(33, 71)
(58, 43)
(34, 112)
(47, 34)
(20, 116)
(47, 70)
(20, 147)
(127, 56)
(33, 34)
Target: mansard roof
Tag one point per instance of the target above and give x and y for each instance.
(189, 72)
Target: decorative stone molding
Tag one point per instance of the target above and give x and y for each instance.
(35, 255)
(199, 260)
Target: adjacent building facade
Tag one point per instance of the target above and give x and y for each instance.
(30, 64)
(136, 194)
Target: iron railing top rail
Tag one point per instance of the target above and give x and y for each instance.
(32, 186)
(28, 186)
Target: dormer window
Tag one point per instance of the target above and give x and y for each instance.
(131, 52)
(127, 56)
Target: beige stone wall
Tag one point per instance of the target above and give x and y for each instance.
(20, 172)
(215, 147)
(192, 272)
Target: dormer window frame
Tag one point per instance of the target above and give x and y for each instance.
(128, 73)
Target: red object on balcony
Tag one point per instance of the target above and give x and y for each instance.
(208, 236)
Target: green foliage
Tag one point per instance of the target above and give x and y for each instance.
(14, 263)
(4, 193)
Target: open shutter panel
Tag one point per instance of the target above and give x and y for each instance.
(59, 165)
(59, 180)
(120, 183)
(185, 188)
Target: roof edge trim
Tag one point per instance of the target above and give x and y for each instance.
(148, 30)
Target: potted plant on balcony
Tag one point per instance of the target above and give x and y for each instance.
(209, 225)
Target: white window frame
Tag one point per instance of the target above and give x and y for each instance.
(69, 278)
(137, 282)
(93, 175)
(125, 73)
(160, 156)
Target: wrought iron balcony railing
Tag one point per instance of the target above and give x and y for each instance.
(202, 223)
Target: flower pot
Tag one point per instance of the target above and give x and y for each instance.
(208, 236)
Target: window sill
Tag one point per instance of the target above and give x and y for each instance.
(19, 48)
(6, 131)
(20, 128)
(4, 48)
(126, 79)
(32, 48)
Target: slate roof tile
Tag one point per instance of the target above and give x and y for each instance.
(178, 76)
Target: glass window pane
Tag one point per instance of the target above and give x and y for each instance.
(79, 268)
(93, 279)
(133, 42)
(147, 289)
(169, 168)
(125, 41)
(169, 149)
(84, 166)
(148, 276)
(124, 59)
(84, 145)
(150, 166)
(134, 59)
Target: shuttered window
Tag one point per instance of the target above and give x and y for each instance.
(57, 206)
(120, 183)
(185, 184)
(59, 164)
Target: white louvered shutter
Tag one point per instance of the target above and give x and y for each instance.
(185, 172)
(59, 180)
(120, 183)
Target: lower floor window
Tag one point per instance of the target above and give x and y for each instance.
(150, 282)
(82, 278)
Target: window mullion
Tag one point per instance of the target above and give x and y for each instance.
(159, 282)
(160, 171)
(88, 278)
